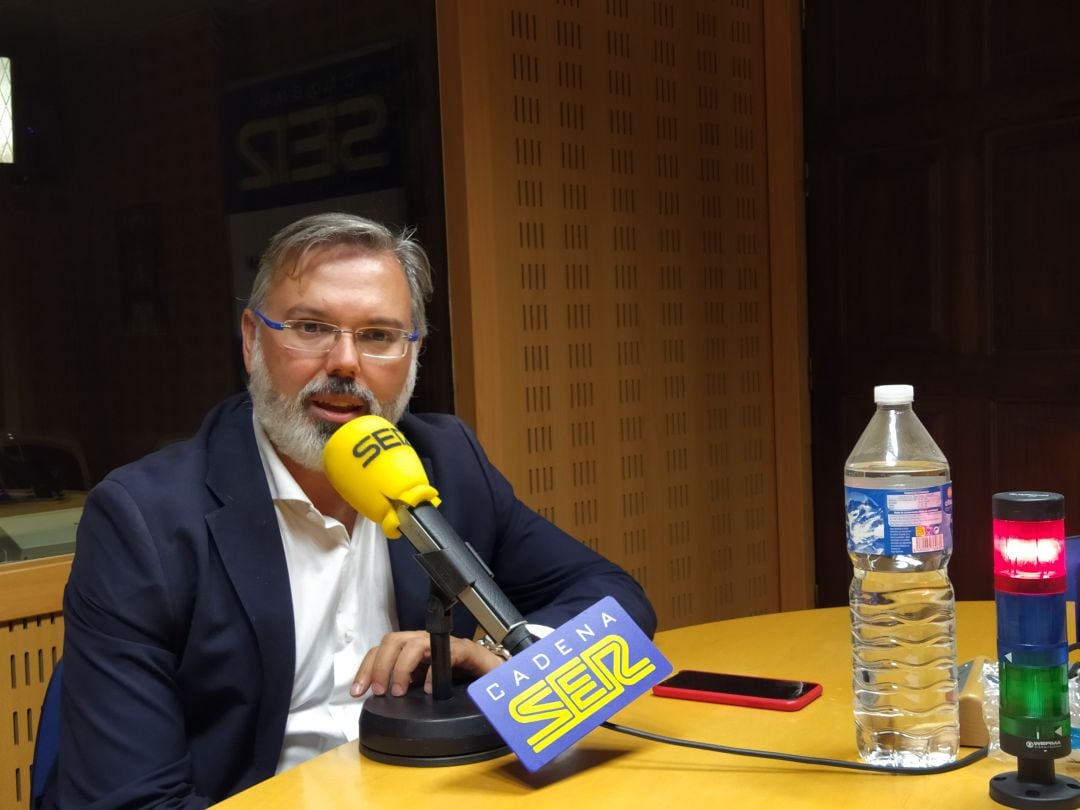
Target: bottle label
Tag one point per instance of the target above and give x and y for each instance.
(899, 521)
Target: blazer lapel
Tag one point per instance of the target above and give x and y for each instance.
(245, 532)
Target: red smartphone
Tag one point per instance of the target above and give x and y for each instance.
(739, 690)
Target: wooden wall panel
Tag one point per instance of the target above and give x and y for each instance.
(607, 207)
(29, 650)
(31, 641)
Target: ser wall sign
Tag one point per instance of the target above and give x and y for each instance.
(327, 131)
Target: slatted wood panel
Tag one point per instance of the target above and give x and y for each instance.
(31, 641)
(615, 311)
(29, 650)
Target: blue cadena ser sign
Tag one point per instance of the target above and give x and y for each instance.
(552, 694)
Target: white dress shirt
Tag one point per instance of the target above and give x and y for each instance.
(343, 604)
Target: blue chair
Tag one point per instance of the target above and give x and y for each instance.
(1072, 572)
(48, 737)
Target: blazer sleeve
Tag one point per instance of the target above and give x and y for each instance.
(545, 572)
(122, 737)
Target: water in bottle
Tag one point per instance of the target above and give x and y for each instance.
(898, 495)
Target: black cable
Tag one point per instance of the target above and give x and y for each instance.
(974, 756)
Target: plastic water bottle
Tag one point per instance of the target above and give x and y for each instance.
(898, 495)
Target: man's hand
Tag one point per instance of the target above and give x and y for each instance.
(401, 658)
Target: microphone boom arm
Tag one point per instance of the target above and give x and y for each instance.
(458, 571)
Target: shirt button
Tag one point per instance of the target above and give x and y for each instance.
(348, 636)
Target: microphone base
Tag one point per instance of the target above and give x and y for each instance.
(419, 731)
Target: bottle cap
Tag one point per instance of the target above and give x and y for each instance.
(894, 394)
(1029, 506)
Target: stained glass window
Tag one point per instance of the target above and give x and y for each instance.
(7, 131)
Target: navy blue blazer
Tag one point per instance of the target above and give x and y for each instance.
(179, 647)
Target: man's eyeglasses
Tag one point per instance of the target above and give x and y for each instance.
(316, 337)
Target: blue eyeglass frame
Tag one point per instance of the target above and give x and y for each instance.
(277, 326)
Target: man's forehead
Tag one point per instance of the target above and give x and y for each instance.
(301, 290)
(321, 254)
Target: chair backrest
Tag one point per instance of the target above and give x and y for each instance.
(47, 742)
(44, 463)
(62, 455)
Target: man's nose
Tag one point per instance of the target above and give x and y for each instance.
(344, 359)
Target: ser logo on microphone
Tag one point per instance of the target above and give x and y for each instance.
(371, 446)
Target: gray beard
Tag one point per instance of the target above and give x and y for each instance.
(295, 433)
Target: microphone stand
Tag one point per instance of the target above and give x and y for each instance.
(445, 727)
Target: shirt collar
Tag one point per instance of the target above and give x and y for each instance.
(283, 487)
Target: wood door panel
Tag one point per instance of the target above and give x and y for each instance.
(956, 196)
(903, 61)
(1035, 241)
(1038, 448)
(1025, 42)
(890, 214)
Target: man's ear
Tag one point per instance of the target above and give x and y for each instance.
(247, 332)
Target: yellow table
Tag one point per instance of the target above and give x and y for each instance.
(608, 769)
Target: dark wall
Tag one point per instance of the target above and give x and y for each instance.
(117, 299)
(943, 142)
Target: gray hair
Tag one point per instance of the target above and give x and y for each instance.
(289, 246)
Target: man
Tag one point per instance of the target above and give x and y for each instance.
(227, 609)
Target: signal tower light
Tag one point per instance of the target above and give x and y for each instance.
(1033, 649)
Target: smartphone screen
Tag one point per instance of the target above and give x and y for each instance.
(738, 690)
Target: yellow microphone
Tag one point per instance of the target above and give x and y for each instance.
(374, 468)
